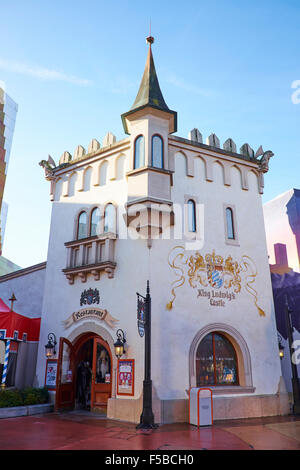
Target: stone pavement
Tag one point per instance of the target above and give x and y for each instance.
(88, 431)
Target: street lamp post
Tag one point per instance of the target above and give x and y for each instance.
(295, 379)
(147, 416)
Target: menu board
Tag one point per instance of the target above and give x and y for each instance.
(125, 377)
(51, 372)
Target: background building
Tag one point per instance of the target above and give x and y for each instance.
(282, 223)
(8, 113)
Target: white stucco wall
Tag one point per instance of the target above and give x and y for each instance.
(172, 330)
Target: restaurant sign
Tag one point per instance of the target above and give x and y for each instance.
(87, 313)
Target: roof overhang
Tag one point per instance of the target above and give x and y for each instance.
(138, 113)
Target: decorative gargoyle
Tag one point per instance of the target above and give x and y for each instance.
(264, 161)
(48, 166)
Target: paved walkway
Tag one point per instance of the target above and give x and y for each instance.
(86, 431)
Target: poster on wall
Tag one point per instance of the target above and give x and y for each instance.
(51, 372)
(125, 377)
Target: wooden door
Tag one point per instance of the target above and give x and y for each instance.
(65, 396)
(102, 374)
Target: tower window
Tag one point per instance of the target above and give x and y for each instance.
(110, 218)
(82, 226)
(191, 215)
(95, 219)
(139, 152)
(157, 152)
(230, 224)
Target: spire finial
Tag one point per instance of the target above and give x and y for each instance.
(150, 39)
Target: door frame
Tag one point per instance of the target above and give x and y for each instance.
(68, 387)
(107, 388)
(74, 349)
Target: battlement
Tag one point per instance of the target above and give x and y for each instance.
(93, 148)
(246, 151)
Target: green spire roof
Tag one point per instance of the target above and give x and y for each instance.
(150, 94)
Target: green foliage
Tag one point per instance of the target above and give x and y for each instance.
(27, 396)
(10, 398)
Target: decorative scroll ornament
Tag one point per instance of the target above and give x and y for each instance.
(212, 271)
(84, 313)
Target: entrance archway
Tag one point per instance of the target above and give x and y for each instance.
(85, 372)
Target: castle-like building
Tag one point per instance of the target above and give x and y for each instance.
(187, 217)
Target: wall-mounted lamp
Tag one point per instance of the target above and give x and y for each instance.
(281, 349)
(50, 347)
(119, 344)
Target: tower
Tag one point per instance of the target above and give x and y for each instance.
(149, 123)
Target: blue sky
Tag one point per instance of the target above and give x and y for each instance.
(74, 67)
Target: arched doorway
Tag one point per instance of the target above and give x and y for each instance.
(84, 373)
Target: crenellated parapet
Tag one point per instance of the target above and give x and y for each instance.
(80, 153)
(246, 151)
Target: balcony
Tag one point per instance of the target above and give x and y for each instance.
(91, 255)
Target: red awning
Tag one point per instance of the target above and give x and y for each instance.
(11, 322)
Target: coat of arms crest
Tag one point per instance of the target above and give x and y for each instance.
(89, 297)
(213, 271)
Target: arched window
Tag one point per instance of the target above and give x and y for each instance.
(191, 215)
(95, 219)
(157, 152)
(230, 224)
(216, 361)
(82, 226)
(110, 218)
(139, 152)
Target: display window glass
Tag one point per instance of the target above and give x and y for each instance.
(216, 362)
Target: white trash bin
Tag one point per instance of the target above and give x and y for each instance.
(200, 407)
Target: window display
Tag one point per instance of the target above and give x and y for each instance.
(216, 362)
